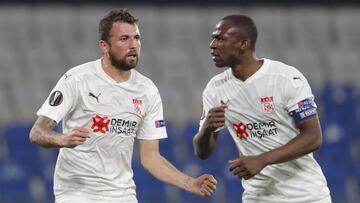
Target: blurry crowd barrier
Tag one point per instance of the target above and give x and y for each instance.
(39, 43)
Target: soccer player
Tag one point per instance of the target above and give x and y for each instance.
(269, 110)
(104, 105)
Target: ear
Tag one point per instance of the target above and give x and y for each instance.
(245, 44)
(104, 46)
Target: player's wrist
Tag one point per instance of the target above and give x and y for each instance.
(265, 159)
(187, 183)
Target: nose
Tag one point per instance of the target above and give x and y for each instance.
(212, 44)
(135, 43)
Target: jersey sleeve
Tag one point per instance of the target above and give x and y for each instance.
(153, 125)
(61, 100)
(299, 99)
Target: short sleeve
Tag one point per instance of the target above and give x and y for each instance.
(61, 100)
(296, 90)
(299, 99)
(153, 125)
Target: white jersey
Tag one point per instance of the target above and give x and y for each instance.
(114, 113)
(258, 120)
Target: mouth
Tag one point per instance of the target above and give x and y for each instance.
(215, 56)
(132, 56)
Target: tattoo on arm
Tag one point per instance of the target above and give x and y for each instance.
(43, 134)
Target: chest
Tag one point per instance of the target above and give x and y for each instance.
(252, 102)
(110, 109)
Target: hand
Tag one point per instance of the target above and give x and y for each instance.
(204, 185)
(75, 137)
(246, 166)
(216, 118)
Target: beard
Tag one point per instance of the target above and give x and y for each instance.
(122, 64)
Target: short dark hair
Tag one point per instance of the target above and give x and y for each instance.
(246, 26)
(114, 15)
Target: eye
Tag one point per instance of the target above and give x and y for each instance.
(217, 38)
(124, 38)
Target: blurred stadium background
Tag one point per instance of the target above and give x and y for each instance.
(40, 41)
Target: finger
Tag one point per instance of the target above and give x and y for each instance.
(231, 161)
(78, 139)
(234, 165)
(217, 109)
(217, 114)
(81, 134)
(209, 182)
(217, 119)
(211, 185)
(81, 129)
(212, 180)
(240, 172)
(205, 192)
(208, 190)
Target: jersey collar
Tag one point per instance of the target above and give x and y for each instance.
(106, 77)
(262, 69)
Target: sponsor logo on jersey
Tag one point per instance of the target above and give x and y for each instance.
(105, 124)
(56, 98)
(100, 124)
(268, 105)
(93, 95)
(255, 130)
(159, 123)
(137, 105)
(241, 131)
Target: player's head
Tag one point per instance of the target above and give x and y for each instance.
(120, 38)
(233, 36)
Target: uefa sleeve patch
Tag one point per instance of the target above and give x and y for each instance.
(306, 109)
(56, 98)
(159, 123)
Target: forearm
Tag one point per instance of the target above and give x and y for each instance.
(163, 170)
(204, 143)
(307, 141)
(43, 135)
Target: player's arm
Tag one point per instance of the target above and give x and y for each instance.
(205, 140)
(308, 140)
(163, 170)
(42, 134)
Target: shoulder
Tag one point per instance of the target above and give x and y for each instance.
(83, 71)
(283, 71)
(219, 79)
(144, 83)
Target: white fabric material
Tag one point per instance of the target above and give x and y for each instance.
(258, 121)
(114, 113)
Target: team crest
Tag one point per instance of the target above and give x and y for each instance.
(268, 105)
(137, 105)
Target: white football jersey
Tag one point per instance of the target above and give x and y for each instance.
(258, 120)
(114, 113)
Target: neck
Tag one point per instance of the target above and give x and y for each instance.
(248, 65)
(115, 73)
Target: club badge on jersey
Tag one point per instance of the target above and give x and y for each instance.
(306, 109)
(268, 105)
